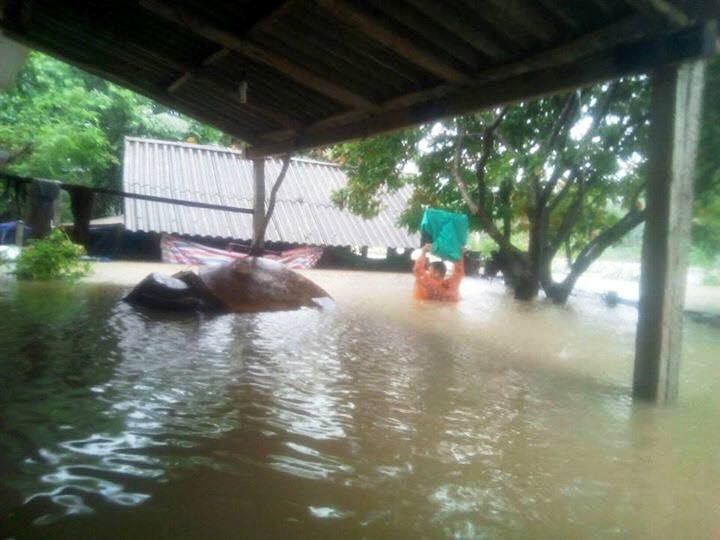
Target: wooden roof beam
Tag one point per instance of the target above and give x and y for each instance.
(273, 12)
(662, 8)
(154, 92)
(631, 28)
(404, 47)
(530, 16)
(190, 74)
(625, 59)
(255, 52)
(463, 29)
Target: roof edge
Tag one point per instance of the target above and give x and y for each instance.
(219, 149)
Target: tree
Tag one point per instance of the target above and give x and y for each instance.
(706, 219)
(567, 170)
(72, 124)
(258, 243)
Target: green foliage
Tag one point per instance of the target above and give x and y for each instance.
(712, 278)
(706, 220)
(484, 245)
(54, 257)
(563, 173)
(74, 124)
(374, 166)
(611, 155)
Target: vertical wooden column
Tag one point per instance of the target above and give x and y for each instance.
(675, 116)
(259, 204)
(81, 203)
(42, 198)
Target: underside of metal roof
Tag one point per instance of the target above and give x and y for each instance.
(321, 71)
(304, 213)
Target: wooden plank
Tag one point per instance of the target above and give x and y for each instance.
(258, 203)
(497, 20)
(190, 73)
(251, 104)
(180, 81)
(404, 108)
(675, 115)
(662, 8)
(529, 15)
(264, 18)
(429, 28)
(629, 29)
(560, 10)
(382, 33)
(462, 28)
(248, 49)
(622, 60)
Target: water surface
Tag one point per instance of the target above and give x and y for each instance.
(378, 418)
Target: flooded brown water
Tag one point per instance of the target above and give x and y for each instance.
(376, 418)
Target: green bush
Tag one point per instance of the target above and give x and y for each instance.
(712, 278)
(55, 257)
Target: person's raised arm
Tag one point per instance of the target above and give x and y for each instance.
(420, 264)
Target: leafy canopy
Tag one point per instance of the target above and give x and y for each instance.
(72, 124)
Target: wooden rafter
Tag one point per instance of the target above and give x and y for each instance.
(155, 92)
(228, 94)
(264, 18)
(621, 60)
(631, 28)
(663, 8)
(529, 15)
(228, 40)
(218, 87)
(463, 29)
(382, 33)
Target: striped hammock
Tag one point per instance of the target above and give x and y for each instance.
(177, 251)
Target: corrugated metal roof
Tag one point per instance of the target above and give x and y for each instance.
(304, 213)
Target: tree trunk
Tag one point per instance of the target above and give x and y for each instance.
(559, 292)
(517, 273)
(261, 217)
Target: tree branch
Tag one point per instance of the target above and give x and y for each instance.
(599, 113)
(273, 194)
(478, 208)
(605, 239)
(455, 169)
(570, 218)
(561, 124)
(564, 191)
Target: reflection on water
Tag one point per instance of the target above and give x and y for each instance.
(378, 417)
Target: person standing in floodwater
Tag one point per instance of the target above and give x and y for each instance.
(430, 283)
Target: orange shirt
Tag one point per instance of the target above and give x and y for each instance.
(431, 288)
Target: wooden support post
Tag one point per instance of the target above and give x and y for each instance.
(19, 232)
(81, 203)
(259, 206)
(675, 112)
(42, 197)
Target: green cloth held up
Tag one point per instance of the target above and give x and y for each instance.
(447, 230)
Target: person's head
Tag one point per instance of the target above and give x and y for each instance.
(438, 269)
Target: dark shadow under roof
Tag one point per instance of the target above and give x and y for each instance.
(324, 71)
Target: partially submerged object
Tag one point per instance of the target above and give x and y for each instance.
(251, 284)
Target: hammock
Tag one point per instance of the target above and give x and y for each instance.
(177, 251)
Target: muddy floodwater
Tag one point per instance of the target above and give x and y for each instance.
(378, 418)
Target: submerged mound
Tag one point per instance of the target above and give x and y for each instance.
(253, 284)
